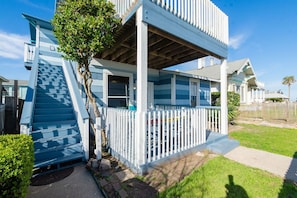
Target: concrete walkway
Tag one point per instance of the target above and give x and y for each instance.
(283, 166)
(79, 184)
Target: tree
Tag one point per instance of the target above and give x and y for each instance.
(288, 80)
(83, 29)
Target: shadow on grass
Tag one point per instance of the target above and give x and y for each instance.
(233, 190)
(289, 188)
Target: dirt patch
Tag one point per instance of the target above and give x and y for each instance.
(166, 175)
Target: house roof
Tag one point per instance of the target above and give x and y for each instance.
(2, 79)
(213, 71)
(275, 95)
(242, 65)
(20, 82)
(33, 21)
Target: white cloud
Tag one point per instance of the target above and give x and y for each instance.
(236, 41)
(12, 45)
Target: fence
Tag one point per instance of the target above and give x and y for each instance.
(168, 131)
(270, 111)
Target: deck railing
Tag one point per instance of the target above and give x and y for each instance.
(29, 52)
(202, 14)
(168, 132)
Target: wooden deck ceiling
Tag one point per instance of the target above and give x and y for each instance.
(164, 49)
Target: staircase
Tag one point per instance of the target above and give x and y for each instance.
(56, 136)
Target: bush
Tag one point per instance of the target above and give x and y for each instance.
(16, 165)
(233, 102)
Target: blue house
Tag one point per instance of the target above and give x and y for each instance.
(148, 114)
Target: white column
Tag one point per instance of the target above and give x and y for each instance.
(141, 98)
(224, 109)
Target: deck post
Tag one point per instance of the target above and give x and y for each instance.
(224, 108)
(141, 87)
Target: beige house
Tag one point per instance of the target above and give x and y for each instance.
(241, 79)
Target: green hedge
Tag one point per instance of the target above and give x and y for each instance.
(233, 103)
(16, 165)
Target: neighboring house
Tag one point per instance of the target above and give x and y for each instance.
(276, 96)
(241, 79)
(8, 88)
(147, 113)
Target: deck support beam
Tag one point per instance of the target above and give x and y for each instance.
(141, 87)
(224, 108)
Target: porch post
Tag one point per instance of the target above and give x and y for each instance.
(224, 109)
(141, 98)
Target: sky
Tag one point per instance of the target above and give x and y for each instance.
(265, 31)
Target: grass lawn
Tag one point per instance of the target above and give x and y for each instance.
(221, 177)
(272, 139)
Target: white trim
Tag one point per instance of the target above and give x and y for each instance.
(107, 73)
(173, 90)
(197, 91)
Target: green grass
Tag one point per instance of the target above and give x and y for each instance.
(272, 139)
(214, 179)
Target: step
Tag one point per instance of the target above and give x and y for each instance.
(52, 154)
(55, 99)
(52, 111)
(223, 146)
(50, 133)
(57, 117)
(53, 90)
(54, 125)
(54, 105)
(46, 143)
(59, 160)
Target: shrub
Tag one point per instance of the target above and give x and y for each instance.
(233, 102)
(16, 165)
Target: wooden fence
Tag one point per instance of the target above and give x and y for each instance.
(270, 111)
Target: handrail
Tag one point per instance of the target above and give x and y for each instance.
(202, 14)
(26, 118)
(81, 113)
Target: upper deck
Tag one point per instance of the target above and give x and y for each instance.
(178, 31)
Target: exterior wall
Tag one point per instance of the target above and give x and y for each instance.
(48, 48)
(182, 91)
(163, 89)
(205, 94)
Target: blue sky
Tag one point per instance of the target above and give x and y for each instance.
(264, 31)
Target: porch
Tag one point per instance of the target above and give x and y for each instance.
(156, 34)
(167, 134)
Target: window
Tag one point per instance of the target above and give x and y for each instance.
(118, 91)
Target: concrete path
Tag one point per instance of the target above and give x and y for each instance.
(79, 184)
(280, 165)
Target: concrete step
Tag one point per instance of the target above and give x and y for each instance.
(223, 146)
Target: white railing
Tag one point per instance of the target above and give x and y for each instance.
(202, 14)
(167, 133)
(26, 118)
(29, 52)
(213, 121)
(120, 131)
(81, 113)
(123, 6)
(170, 132)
